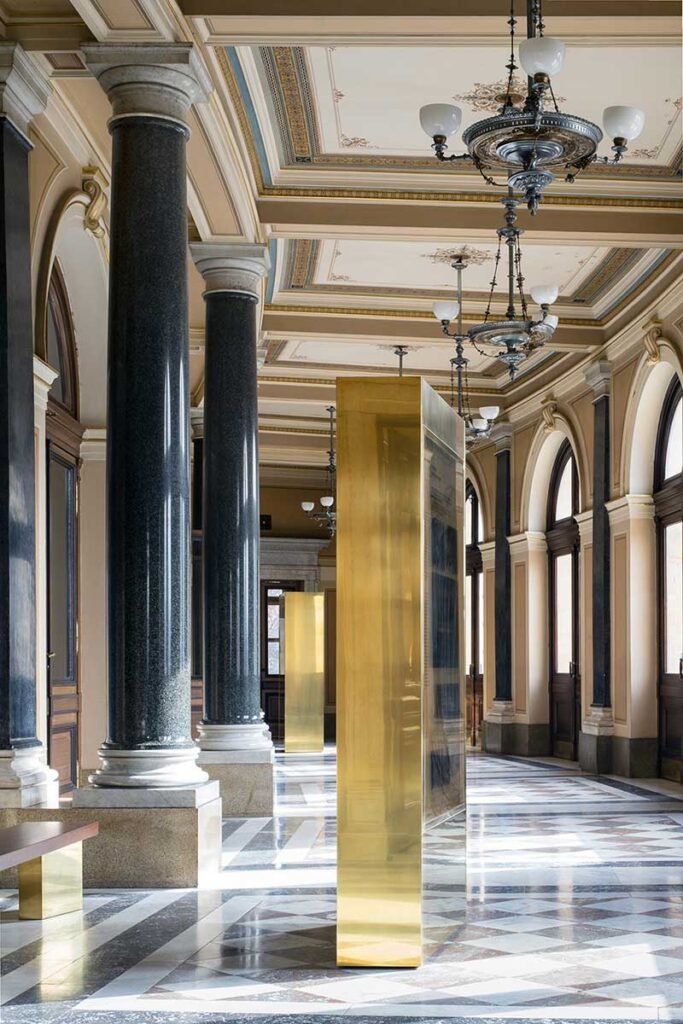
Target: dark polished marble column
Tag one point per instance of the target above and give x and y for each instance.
(232, 734)
(24, 779)
(597, 730)
(148, 461)
(499, 719)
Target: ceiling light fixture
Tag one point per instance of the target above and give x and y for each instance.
(514, 338)
(533, 141)
(327, 516)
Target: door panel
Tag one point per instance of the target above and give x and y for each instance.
(671, 654)
(565, 690)
(63, 683)
(272, 654)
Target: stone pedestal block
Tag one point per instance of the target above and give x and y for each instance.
(163, 839)
(247, 786)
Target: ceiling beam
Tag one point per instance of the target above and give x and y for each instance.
(420, 9)
(622, 225)
(281, 323)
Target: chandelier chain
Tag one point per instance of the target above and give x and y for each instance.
(494, 279)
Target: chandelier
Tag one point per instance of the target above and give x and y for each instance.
(513, 338)
(326, 515)
(477, 428)
(532, 141)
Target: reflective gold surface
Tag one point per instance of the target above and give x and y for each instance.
(400, 739)
(52, 884)
(304, 672)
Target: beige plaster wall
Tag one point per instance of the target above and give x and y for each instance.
(92, 632)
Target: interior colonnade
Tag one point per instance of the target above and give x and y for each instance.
(588, 506)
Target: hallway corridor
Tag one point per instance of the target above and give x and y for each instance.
(574, 912)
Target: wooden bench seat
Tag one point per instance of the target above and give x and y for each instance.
(49, 857)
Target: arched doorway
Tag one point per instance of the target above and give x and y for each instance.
(668, 500)
(64, 434)
(562, 535)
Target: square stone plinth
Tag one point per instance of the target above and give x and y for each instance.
(165, 844)
(247, 787)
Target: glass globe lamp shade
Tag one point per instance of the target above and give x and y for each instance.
(440, 119)
(445, 311)
(489, 412)
(544, 294)
(542, 55)
(327, 501)
(308, 506)
(623, 122)
(478, 423)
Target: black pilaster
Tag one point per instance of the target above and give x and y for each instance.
(503, 578)
(601, 553)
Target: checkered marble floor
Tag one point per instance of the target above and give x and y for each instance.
(573, 910)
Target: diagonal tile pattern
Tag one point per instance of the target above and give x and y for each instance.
(574, 911)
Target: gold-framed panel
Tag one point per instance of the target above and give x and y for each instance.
(304, 672)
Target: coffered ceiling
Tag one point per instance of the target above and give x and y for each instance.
(312, 144)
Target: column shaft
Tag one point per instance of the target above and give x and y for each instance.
(601, 554)
(17, 482)
(148, 483)
(231, 512)
(503, 602)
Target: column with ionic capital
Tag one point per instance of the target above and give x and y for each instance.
(24, 776)
(498, 732)
(595, 738)
(235, 743)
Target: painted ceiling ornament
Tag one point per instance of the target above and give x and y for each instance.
(494, 95)
(528, 137)
(652, 335)
(92, 184)
(549, 413)
(467, 253)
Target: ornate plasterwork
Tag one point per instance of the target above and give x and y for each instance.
(490, 96)
(549, 413)
(288, 79)
(652, 334)
(467, 253)
(94, 213)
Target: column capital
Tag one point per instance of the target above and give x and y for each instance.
(631, 506)
(584, 521)
(44, 377)
(488, 554)
(94, 445)
(157, 80)
(231, 267)
(501, 435)
(24, 87)
(522, 544)
(599, 378)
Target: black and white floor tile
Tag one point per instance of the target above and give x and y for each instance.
(573, 911)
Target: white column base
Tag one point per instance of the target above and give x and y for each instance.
(175, 768)
(501, 712)
(598, 722)
(26, 780)
(235, 744)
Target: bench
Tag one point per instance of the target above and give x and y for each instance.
(49, 858)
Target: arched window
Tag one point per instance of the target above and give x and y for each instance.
(60, 344)
(563, 553)
(668, 500)
(474, 614)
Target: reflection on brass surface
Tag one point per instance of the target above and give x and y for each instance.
(400, 738)
(304, 672)
(52, 884)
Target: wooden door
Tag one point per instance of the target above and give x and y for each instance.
(272, 651)
(671, 649)
(62, 608)
(565, 688)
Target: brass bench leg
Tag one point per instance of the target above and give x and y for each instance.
(52, 884)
